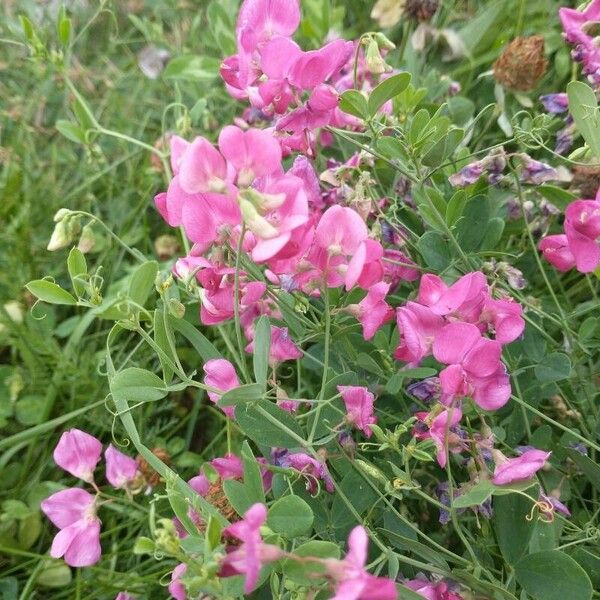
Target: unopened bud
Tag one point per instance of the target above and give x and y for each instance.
(87, 239)
(375, 62)
(384, 42)
(60, 237)
(257, 224)
(176, 308)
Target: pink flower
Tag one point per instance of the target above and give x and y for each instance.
(351, 580)
(398, 267)
(261, 20)
(340, 231)
(78, 453)
(282, 346)
(441, 433)
(317, 66)
(505, 316)
(432, 591)
(73, 511)
(252, 153)
(201, 168)
(280, 223)
(176, 588)
(124, 596)
(220, 374)
(120, 468)
(556, 250)
(418, 327)
(464, 299)
(520, 468)
(582, 227)
(253, 553)
(359, 406)
(311, 468)
(366, 266)
(474, 366)
(209, 218)
(373, 311)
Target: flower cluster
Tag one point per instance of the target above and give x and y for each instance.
(581, 30)
(73, 510)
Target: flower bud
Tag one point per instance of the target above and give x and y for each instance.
(375, 62)
(257, 224)
(87, 239)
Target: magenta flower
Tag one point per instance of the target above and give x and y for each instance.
(78, 453)
(261, 20)
(252, 153)
(253, 553)
(582, 227)
(556, 250)
(432, 591)
(351, 580)
(373, 311)
(365, 268)
(282, 346)
(359, 406)
(73, 511)
(505, 317)
(220, 374)
(124, 596)
(520, 468)
(201, 168)
(340, 231)
(176, 588)
(464, 299)
(474, 366)
(120, 468)
(576, 26)
(418, 326)
(440, 431)
(310, 467)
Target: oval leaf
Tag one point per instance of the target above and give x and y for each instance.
(291, 516)
(50, 292)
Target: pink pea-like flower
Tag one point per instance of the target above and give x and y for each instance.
(221, 375)
(73, 511)
(359, 406)
(556, 250)
(78, 453)
(253, 553)
(176, 588)
(351, 580)
(121, 469)
(519, 468)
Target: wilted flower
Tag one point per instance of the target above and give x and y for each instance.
(522, 64)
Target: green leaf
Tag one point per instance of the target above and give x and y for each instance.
(191, 67)
(476, 496)
(358, 492)
(244, 393)
(138, 385)
(394, 383)
(552, 575)
(238, 494)
(590, 469)
(50, 292)
(583, 107)
(64, 30)
(354, 103)
(513, 530)
(273, 430)
(144, 545)
(71, 131)
(161, 337)
(386, 90)
(77, 266)
(553, 367)
(252, 475)
(290, 516)
(559, 197)
(422, 550)
(200, 343)
(262, 347)
(434, 248)
(302, 572)
(455, 207)
(142, 282)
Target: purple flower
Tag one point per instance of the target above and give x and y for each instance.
(555, 103)
(536, 172)
(425, 390)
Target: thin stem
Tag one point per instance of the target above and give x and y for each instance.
(236, 304)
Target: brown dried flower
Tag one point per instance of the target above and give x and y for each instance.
(421, 10)
(586, 180)
(150, 475)
(522, 64)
